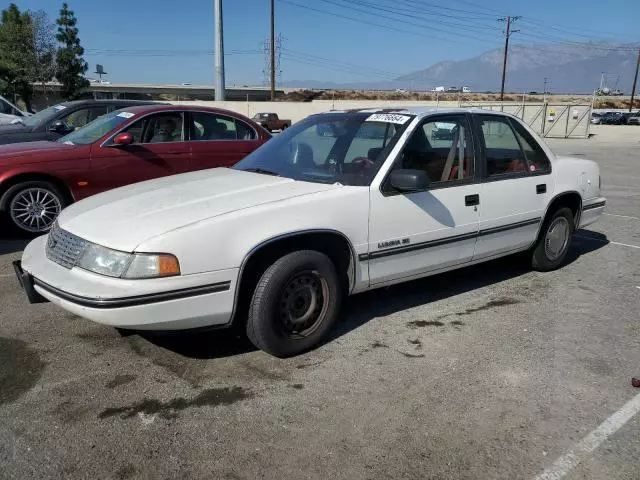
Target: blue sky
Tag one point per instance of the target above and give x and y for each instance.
(168, 41)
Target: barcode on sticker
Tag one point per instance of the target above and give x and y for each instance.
(125, 114)
(388, 118)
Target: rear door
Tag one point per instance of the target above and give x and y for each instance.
(517, 186)
(158, 149)
(219, 140)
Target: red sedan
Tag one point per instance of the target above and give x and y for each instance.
(38, 179)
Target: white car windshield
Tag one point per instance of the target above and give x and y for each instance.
(342, 147)
(96, 129)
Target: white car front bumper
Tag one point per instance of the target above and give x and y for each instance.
(173, 303)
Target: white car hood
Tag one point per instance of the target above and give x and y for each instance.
(125, 217)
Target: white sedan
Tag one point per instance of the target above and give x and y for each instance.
(340, 203)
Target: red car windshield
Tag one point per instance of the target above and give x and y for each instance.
(96, 129)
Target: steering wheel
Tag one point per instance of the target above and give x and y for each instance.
(363, 162)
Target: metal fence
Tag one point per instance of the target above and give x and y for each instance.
(552, 120)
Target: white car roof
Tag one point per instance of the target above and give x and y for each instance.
(422, 111)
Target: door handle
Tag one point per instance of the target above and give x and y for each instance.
(542, 188)
(471, 200)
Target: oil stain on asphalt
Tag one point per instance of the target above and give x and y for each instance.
(425, 323)
(211, 397)
(120, 380)
(20, 369)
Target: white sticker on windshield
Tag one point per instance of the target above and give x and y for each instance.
(59, 107)
(68, 142)
(126, 114)
(388, 118)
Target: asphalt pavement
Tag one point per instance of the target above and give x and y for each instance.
(492, 371)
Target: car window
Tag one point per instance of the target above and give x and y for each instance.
(78, 118)
(210, 126)
(440, 147)
(503, 152)
(537, 160)
(158, 128)
(6, 108)
(369, 140)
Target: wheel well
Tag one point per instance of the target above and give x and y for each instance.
(332, 244)
(571, 200)
(25, 177)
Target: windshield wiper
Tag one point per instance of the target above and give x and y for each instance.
(263, 171)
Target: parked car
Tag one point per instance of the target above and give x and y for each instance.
(271, 122)
(633, 119)
(38, 179)
(612, 118)
(59, 120)
(9, 112)
(278, 241)
(596, 118)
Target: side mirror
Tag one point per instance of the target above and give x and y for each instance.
(124, 138)
(59, 127)
(406, 180)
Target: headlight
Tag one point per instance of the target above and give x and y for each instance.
(112, 263)
(104, 261)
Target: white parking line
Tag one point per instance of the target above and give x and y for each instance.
(7, 275)
(606, 241)
(593, 440)
(621, 216)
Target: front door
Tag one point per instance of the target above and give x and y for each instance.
(515, 167)
(411, 234)
(158, 149)
(219, 140)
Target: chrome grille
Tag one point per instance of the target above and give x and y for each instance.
(64, 248)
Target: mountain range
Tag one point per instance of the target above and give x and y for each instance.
(569, 68)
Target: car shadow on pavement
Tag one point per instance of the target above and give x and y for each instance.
(362, 308)
(202, 344)
(12, 244)
(359, 309)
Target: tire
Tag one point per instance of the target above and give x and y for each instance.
(284, 127)
(33, 206)
(553, 243)
(298, 285)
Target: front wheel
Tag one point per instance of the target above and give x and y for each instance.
(33, 206)
(552, 246)
(295, 303)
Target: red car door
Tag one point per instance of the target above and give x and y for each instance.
(219, 140)
(158, 149)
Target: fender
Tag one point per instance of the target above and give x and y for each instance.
(256, 248)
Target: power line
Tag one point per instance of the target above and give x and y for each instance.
(385, 27)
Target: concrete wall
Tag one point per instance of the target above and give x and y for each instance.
(297, 111)
(532, 114)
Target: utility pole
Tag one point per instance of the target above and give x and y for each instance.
(544, 92)
(219, 51)
(273, 51)
(635, 81)
(507, 34)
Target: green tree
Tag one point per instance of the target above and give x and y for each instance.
(70, 66)
(17, 56)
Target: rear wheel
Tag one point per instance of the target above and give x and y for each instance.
(33, 206)
(295, 303)
(551, 248)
